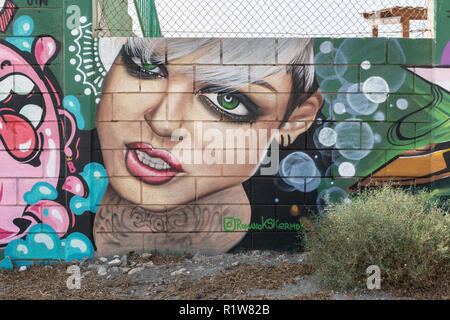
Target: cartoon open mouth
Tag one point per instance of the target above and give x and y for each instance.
(153, 166)
(21, 114)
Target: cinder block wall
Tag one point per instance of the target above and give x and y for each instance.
(202, 145)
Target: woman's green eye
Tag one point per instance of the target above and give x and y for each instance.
(227, 101)
(147, 65)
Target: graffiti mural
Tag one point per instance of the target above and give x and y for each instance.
(201, 145)
(38, 131)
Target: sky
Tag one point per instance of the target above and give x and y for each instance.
(277, 18)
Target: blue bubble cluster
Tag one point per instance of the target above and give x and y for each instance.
(22, 30)
(43, 244)
(95, 176)
(72, 104)
(40, 191)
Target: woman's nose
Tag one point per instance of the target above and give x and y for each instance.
(168, 116)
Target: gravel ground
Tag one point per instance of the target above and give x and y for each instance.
(247, 275)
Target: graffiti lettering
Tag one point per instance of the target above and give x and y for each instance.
(73, 20)
(37, 2)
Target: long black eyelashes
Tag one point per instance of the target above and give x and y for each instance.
(139, 71)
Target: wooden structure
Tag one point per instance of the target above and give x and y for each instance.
(394, 15)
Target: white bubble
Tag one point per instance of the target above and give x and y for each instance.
(354, 139)
(73, 61)
(376, 89)
(331, 195)
(76, 243)
(339, 108)
(74, 32)
(402, 104)
(45, 239)
(346, 169)
(377, 138)
(45, 190)
(87, 91)
(326, 47)
(77, 78)
(22, 248)
(366, 65)
(26, 44)
(358, 102)
(379, 116)
(72, 48)
(83, 19)
(299, 171)
(327, 137)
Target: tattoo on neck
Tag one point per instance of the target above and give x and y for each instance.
(121, 225)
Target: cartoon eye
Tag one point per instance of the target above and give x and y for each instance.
(228, 103)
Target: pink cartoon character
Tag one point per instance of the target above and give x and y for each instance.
(32, 130)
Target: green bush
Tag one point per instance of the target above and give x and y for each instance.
(406, 235)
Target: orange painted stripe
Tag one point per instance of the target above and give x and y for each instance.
(416, 166)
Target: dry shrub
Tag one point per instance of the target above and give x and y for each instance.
(405, 234)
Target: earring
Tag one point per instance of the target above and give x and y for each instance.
(285, 138)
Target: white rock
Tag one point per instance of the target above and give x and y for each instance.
(103, 259)
(22, 268)
(235, 263)
(115, 269)
(146, 255)
(93, 266)
(178, 272)
(114, 262)
(101, 271)
(125, 270)
(135, 270)
(148, 264)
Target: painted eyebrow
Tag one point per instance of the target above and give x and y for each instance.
(265, 84)
(139, 51)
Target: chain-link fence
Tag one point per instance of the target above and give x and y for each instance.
(261, 18)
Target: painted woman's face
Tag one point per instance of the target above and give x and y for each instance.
(164, 109)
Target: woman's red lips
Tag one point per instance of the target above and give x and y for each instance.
(153, 166)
